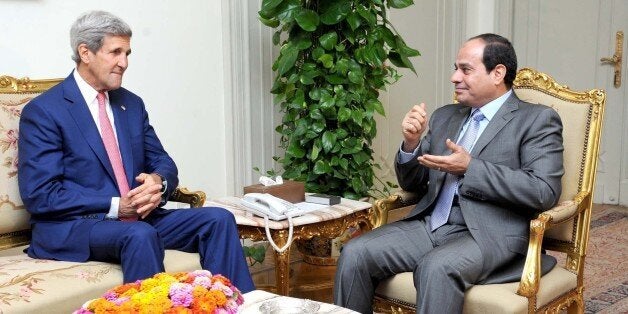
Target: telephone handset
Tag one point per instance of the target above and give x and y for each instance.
(264, 204)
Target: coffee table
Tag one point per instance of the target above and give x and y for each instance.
(253, 301)
(328, 222)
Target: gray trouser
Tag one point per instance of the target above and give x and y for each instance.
(445, 263)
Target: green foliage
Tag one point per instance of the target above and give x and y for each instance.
(331, 67)
(254, 254)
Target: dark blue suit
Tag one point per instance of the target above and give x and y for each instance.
(66, 182)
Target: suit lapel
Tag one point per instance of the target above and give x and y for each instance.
(122, 131)
(501, 118)
(454, 127)
(85, 122)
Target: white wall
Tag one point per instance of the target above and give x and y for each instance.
(176, 65)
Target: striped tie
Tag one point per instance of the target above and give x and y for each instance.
(440, 215)
(111, 145)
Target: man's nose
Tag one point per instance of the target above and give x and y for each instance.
(455, 77)
(123, 61)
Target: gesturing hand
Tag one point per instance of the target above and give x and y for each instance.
(455, 163)
(413, 125)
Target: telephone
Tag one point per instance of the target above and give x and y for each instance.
(264, 204)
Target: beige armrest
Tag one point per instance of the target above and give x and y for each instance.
(531, 276)
(183, 195)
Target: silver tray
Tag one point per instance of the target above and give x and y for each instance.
(289, 306)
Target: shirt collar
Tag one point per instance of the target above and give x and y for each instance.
(490, 109)
(87, 91)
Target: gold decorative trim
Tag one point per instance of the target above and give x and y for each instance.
(382, 304)
(183, 195)
(12, 85)
(531, 78)
(14, 239)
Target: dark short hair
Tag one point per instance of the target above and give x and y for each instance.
(499, 50)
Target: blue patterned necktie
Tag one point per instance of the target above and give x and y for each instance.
(440, 215)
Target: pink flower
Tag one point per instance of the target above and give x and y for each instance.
(181, 294)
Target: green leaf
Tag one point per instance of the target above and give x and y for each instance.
(317, 52)
(276, 37)
(353, 19)
(329, 40)
(268, 22)
(278, 87)
(401, 61)
(316, 114)
(318, 126)
(287, 58)
(356, 77)
(361, 157)
(404, 50)
(315, 94)
(377, 105)
(335, 79)
(322, 167)
(371, 18)
(344, 114)
(329, 140)
(315, 150)
(357, 117)
(268, 5)
(307, 19)
(287, 10)
(295, 150)
(307, 78)
(303, 41)
(327, 60)
(335, 11)
(399, 4)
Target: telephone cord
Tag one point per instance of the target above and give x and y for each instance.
(270, 238)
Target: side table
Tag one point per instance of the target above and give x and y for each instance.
(328, 222)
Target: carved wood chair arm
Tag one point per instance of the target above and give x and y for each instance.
(531, 277)
(183, 195)
(379, 212)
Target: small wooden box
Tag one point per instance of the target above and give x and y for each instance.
(291, 191)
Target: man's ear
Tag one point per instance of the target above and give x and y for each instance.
(499, 73)
(83, 53)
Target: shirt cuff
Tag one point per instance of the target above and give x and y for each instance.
(113, 209)
(405, 157)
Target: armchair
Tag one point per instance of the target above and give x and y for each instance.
(28, 285)
(564, 228)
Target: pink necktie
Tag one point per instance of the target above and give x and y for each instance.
(111, 145)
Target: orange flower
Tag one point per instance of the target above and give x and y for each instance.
(218, 297)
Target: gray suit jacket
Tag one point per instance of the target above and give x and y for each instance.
(514, 174)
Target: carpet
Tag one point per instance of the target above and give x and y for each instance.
(606, 264)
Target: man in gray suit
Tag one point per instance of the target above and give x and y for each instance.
(484, 169)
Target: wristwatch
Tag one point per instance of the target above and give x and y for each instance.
(164, 182)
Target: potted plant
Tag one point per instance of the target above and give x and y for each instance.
(332, 63)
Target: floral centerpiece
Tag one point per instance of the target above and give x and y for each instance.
(194, 292)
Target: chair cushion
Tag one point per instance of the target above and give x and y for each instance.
(496, 298)
(30, 285)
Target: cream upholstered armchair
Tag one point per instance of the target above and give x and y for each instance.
(28, 285)
(564, 228)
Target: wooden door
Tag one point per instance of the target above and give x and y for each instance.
(567, 39)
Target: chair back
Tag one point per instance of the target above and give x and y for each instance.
(581, 114)
(14, 95)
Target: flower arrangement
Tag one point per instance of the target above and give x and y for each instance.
(193, 292)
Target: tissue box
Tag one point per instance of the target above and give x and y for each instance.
(291, 191)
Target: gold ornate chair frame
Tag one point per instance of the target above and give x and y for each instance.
(564, 228)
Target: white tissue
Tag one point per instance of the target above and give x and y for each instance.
(266, 181)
